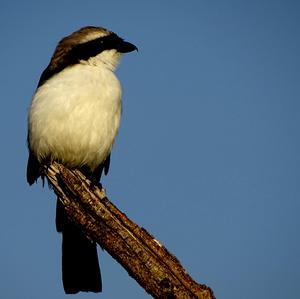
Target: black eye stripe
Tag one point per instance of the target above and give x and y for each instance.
(94, 47)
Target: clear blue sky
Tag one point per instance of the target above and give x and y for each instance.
(207, 158)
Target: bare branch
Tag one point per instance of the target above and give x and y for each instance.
(143, 257)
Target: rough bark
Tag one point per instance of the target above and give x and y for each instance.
(144, 258)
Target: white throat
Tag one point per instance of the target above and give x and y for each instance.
(108, 58)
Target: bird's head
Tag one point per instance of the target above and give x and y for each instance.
(89, 45)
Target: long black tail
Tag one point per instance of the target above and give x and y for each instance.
(80, 266)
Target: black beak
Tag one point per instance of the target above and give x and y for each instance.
(125, 47)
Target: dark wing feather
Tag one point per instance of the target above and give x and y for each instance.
(33, 169)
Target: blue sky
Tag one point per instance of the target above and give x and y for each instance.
(207, 157)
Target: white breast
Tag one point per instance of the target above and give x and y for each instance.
(74, 117)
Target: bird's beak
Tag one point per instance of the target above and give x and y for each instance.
(126, 47)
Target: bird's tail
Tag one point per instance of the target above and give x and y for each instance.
(80, 266)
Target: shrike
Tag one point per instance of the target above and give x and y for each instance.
(74, 118)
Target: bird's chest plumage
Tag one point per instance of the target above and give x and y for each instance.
(74, 117)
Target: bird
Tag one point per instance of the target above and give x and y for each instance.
(73, 119)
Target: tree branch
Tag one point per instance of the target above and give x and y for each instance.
(143, 257)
